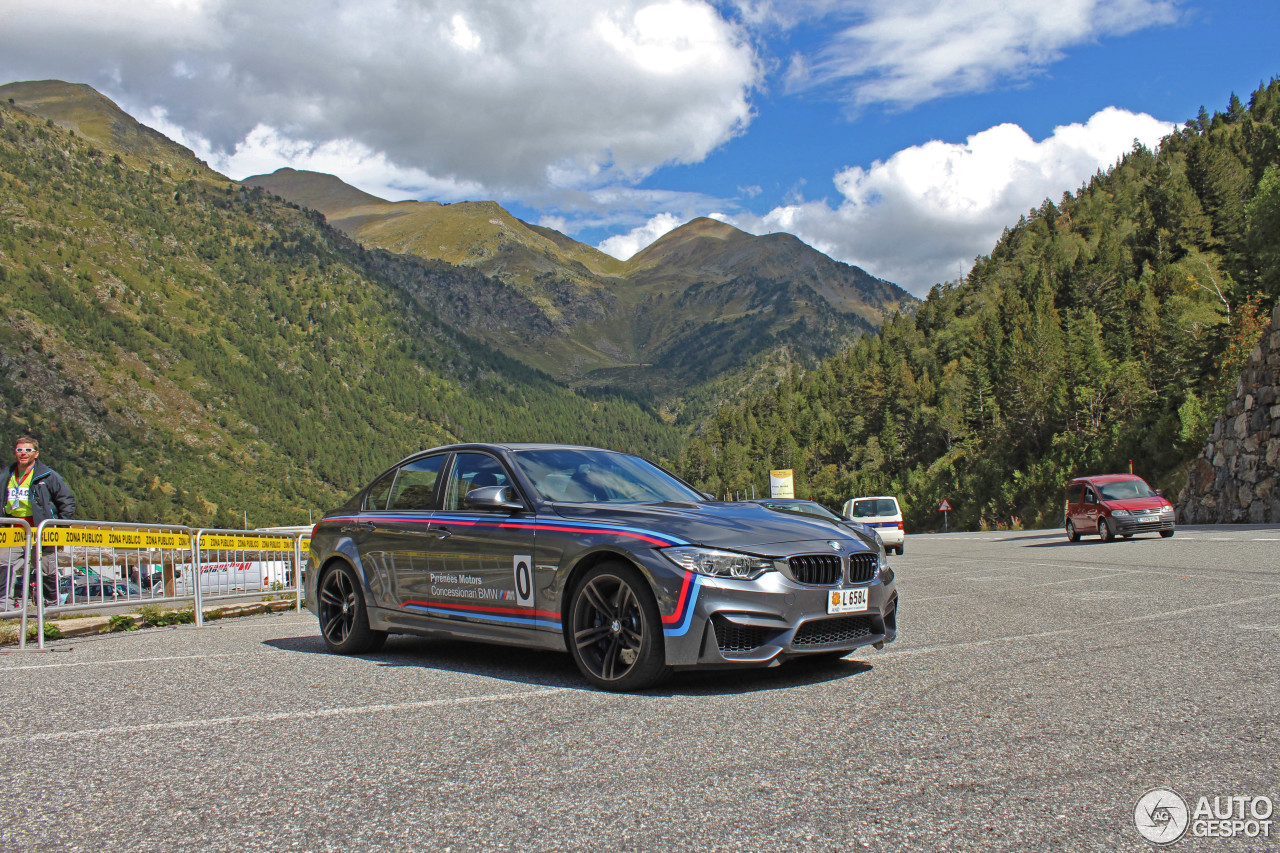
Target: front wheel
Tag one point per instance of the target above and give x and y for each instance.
(1072, 535)
(1165, 534)
(615, 633)
(344, 621)
(1104, 530)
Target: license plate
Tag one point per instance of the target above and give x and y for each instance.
(847, 600)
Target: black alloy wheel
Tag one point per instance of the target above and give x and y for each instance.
(1104, 530)
(344, 622)
(614, 632)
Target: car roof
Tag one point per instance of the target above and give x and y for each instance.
(504, 446)
(875, 498)
(1106, 478)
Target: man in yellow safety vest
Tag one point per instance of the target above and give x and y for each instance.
(33, 491)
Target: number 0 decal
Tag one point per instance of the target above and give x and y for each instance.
(524, 579)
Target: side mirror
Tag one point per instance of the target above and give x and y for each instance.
(1160, 492)
(493, 499)
(707, 496)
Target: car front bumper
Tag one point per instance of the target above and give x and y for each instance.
(773, 619)
(1126, 525)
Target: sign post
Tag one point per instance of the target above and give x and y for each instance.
(782, 483)
(944, 508)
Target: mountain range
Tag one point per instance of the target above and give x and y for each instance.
(703, 302)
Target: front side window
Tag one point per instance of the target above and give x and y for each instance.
(416, 484)
(472, 471)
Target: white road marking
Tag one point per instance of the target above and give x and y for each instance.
(113, 661)
(319, 713)
(1091, 628)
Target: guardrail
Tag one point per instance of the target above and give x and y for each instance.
(113, 563)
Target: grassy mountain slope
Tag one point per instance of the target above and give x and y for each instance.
(190, 349)
(81, 109)
(1105, 328)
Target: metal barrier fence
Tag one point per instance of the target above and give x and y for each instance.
(100, 563)
(15, 539)
(233, 562)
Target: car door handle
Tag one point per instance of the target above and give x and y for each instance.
(356, 527)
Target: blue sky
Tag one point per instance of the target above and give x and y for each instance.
(898, 135)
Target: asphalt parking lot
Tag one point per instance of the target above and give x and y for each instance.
(1037, 691)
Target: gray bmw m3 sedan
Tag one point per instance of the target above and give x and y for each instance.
(598, 553)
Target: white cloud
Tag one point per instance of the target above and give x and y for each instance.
(623, 246)
(924, 214)
(264, 150)
(905, 52)
(506, 94)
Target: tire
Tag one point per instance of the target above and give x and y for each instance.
(614, 632)
(899, 549)
(1165, 534)
(1072, 534)
(344, 620)
(1104, 531)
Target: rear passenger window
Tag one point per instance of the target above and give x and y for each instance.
(1075, 493)
(376, 499)
(416, 484)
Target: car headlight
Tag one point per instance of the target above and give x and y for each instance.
(1119, 512)
(718, 564)
(1166, 510)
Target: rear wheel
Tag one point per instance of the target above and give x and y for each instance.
(1104, 530)
(615, 633)
(344, 621)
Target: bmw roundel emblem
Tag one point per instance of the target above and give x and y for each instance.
(835, 546)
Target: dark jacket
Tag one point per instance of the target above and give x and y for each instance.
(50, 497)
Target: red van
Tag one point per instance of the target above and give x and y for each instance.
(1112, 505)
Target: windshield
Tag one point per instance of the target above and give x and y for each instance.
(583, 475)
(874, 507)
(1123, 490)
(803, 508)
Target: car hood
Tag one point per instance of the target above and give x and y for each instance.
(1137, 503)
(738, 526)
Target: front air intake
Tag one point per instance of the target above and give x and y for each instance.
(829, 632)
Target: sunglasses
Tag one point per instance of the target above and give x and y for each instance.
(25, 450)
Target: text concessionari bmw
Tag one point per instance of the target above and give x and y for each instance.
(599, 553)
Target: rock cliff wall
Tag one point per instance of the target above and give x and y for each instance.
(1235, 479)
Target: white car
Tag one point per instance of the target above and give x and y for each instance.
(882, 513)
